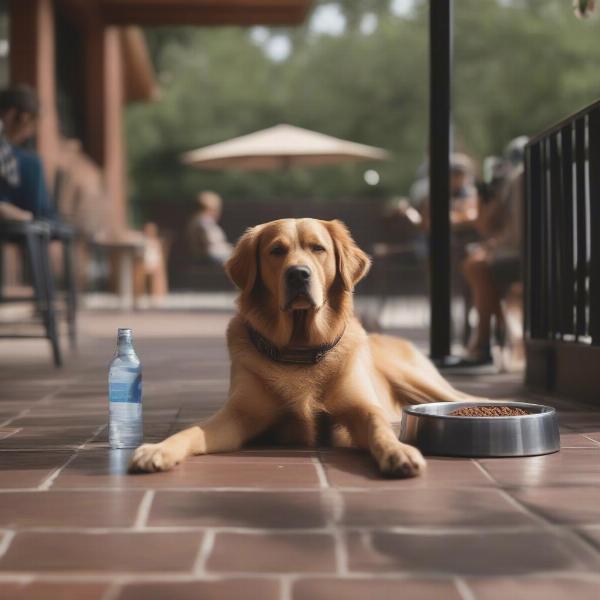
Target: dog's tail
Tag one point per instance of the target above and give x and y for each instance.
(412, 376)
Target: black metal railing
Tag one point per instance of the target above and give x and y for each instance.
(562, 231)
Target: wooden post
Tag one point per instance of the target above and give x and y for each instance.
(32, 63)
(104, 88)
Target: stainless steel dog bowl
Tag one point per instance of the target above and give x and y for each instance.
(430, 428)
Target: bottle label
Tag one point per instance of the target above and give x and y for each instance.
(126, 392)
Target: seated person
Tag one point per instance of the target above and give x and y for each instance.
(22, 181)
(463, 196)
(490, 215)
(401, 221)
(205, 238)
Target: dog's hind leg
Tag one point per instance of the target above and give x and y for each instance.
(419, 381)
(416, 388)
(411, 375)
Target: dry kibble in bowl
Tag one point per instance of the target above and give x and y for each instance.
(488, 411)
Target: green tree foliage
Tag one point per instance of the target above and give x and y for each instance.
(519, 65)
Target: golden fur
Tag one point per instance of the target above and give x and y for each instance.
(361, 384)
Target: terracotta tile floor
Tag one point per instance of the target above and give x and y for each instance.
(268, 523)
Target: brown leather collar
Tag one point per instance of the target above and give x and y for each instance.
(300, 355)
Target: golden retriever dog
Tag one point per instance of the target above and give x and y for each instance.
(298, 352)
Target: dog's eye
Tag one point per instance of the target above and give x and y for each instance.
(278, 251)
(317, 248)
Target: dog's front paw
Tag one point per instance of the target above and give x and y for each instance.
(401, 461)
(152, 457)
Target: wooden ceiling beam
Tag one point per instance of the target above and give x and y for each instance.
(189, 12)
(202, 15)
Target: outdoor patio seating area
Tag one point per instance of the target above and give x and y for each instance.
(268, 523)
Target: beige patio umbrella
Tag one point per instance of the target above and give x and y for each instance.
(281, 147)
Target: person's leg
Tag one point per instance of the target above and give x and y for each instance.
(139, 278)
(485, 299)
(514, 323)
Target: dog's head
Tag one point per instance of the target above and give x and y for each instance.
(297, 263)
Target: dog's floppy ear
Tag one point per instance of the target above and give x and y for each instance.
(352, 263)
(242, 266)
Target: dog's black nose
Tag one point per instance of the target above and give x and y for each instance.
(297, 276)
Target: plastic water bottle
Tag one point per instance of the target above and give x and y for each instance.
(125, 395)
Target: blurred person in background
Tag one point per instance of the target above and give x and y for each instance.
(398, 253)
(463, 194)
(151, 270)
(492, 267)
(402, 229)
(23, 191)
(490, 189)
(205, 238)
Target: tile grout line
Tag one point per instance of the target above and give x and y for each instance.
(26, 411)
(589, 438)
(339, 542)
(204, 551)
(577, 447)
(513, 501)
(337, 511)
(42, 448)
(563, 530)
(180, 577)
(20, 579)
(340, 552)
(49, 481)
(581, 434)
(113, 591)
(9, 535)
(17, 430)
(258, 490)
(403, 530)
(143, 513)
(92, 438)
(286, 583)
(321, 474)
(464, 591)
(125, 577)
(484, 472)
